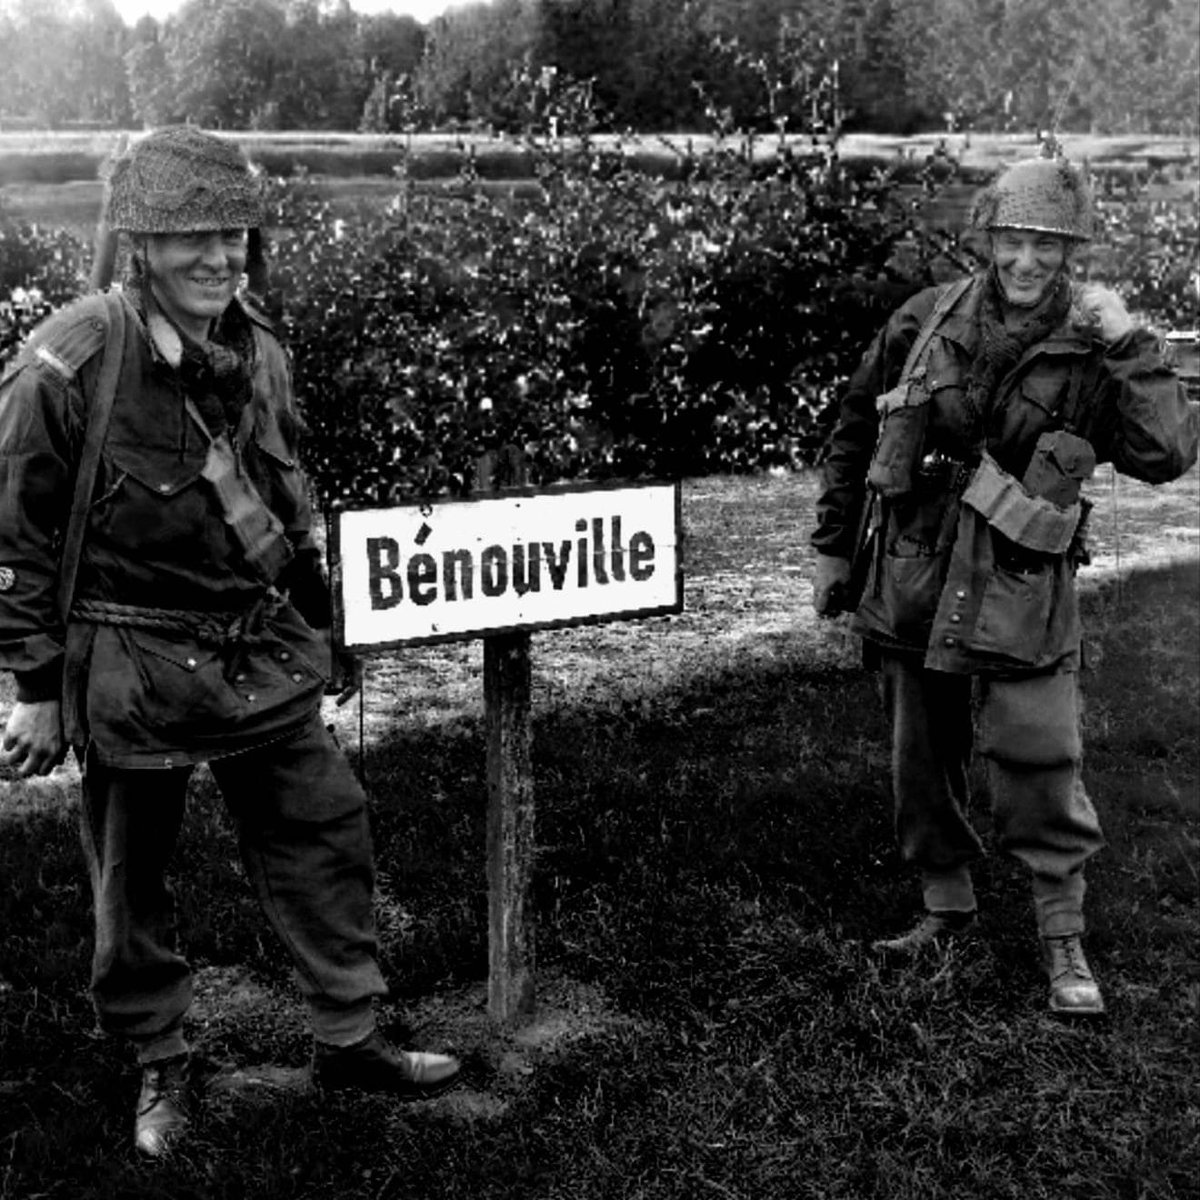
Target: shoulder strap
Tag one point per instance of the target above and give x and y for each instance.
(945, 302)
(98, 412)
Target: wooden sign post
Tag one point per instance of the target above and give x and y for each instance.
(497, 566)
(510, 844)
(507, 688)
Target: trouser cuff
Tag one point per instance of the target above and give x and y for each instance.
(170, 1044)
(1058, 904)
(342, 1026)
(948, 891)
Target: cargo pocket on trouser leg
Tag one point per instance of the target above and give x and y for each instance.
(1030, 721)
(1030, 741)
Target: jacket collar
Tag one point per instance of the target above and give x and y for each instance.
(961, 326)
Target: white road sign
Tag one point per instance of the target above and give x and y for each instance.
(527, 560)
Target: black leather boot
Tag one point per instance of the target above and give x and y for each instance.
(373, 1065)
(162, 1106)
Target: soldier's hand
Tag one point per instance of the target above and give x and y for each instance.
(348, 678)
(829, 585)
(33, 742)
(1102, 309)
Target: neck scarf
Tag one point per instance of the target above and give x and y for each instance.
(216, 375)
(1001, 343)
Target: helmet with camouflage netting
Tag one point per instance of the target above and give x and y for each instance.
(1045, 194)
(180, 179)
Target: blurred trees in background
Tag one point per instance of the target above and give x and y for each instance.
(899, 66)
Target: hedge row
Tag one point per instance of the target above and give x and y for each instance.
(613, 324)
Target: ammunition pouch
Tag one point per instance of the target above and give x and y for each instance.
(903, 418)
(1031, 522)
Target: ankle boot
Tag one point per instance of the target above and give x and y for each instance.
(933, 930)
(161, 1117)
(373, 1065)
(1073, 988)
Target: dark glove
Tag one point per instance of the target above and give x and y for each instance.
(346, 677)
(830, 585)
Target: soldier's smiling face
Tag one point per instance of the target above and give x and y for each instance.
(194, 275)
(1027, 263)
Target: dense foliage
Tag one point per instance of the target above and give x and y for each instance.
(1112, 66)
(613, 324)
(610, 323)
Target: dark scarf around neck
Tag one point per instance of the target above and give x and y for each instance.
(216, 375)
(1001, 345)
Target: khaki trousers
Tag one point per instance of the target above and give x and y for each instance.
(305, 844)
(1029, 740)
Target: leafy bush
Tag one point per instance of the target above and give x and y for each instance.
(1151, 251)
(40, 269)
(610, 322)
(616, 324)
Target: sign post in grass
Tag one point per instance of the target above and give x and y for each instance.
(497, 566)
(507, 683)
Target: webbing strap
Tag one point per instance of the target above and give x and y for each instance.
(258, 530)
(945, 302)
(99, 412)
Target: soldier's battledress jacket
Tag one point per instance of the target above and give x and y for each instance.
(974, 566)
(184, 651)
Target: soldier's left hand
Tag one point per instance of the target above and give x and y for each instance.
(33, 741)
(1103, 309)
(349, 676)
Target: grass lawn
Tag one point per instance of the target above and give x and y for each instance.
(714, 850)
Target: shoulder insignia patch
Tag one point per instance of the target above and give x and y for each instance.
(54, 362)
(8, 577)
(68, 339)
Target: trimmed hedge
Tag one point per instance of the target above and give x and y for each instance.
(611, 323)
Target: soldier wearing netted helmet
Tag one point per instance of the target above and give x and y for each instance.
(163, 603)
(951, 523)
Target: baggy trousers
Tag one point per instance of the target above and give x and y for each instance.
(1029, 740)
(305, 844)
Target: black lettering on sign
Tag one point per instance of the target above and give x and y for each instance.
(422, 579)
(383, 557)
(601, 557)
(527, 579)
(641, 557)
(581, 561)
(557, 564)
(598, 571)
(466, 573)
(493, 570)
(618, 552)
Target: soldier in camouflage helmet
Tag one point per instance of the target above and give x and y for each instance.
(198, 628)
(965, 436)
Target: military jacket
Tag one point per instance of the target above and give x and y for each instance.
(157, 538)
(971, 568)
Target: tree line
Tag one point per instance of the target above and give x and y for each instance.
(889, 66)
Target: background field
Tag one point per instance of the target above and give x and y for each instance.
(52, 178)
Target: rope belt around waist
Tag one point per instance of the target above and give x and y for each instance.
(210, 628)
